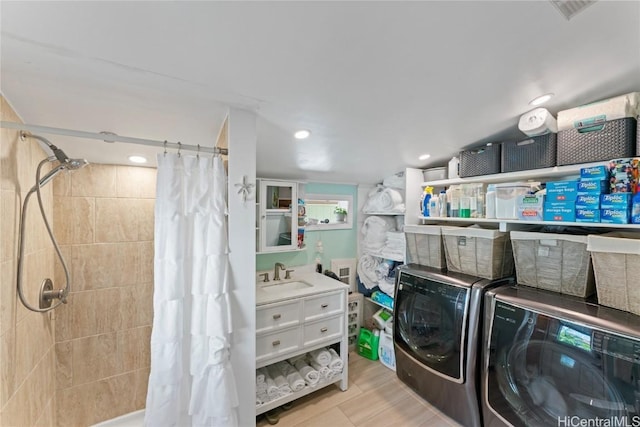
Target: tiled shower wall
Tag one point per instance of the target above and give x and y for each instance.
(26, 338)
(104, 223)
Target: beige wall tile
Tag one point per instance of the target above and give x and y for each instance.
(136, 306)
(135, 347)
(37, 267)
(64, 319)
(105, 265)
(136, 182)
(96, 312)
(117, 220)
(94, 180)
(75, 405)
(62, 220)
(62, 185)
(64, 364)
(95, 358)
(9, 159)
(46, 419)
(8, 366)
(146, 261)
(9, 220)
(59, 277)
(34, 337)
(146, 219)
(74, 220)
(141, 382)
(8, 299)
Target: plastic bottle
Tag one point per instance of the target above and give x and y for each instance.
(455, 201)
(490, 199)
(465, 207)
(443, 204)
(434, 206)
(426, 197)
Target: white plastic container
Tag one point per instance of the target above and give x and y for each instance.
(385, 350)
(454, 168)
(490, 198)
(507, 196)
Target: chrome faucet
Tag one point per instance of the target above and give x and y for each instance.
(276, 271)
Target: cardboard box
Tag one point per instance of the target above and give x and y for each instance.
(530, 207)
(562, 191)
(615, 201)
(587, 215)
(559, 211)
(598, 173)
(615, 216)
(588, 201)
(593, 187)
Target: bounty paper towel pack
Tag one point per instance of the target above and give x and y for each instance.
(537, 122)
(599, 112)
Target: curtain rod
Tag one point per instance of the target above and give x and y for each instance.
(112, 137)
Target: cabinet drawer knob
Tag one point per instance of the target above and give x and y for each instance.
(324, 305)
(276, 316)
(276, 343)
(324, 330)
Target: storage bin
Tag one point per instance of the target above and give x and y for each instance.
(611, 140)
(555, 262)
(434, 174)
(532, 153)
(507, 198)
(480, 161)
(616, 264)
(424, 245)
(478, 252)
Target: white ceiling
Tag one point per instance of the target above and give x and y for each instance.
(378, 83)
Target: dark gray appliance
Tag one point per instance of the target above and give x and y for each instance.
(437, 323)
(551, 359)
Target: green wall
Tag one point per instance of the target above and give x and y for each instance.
(336, 243)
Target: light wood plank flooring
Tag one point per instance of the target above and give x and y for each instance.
(376, 397)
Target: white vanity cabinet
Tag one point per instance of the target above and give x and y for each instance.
(277, 216)
(290, 326)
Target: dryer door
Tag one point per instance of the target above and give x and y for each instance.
(545, 371)
(431, 324)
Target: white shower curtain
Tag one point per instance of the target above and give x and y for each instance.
(191, 381)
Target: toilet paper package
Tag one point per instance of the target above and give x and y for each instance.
(595, 113)
(537, 122)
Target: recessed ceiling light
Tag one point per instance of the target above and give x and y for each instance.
(137, 159)
(302, 134)
(541, 99)
(424, 157)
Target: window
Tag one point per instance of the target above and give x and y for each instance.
(328, 211)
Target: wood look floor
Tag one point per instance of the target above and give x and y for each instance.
(375, 398)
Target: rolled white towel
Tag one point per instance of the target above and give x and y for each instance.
(294, 359)
(275, 381)
(264, 398)
(261, 388)
(324, 371)
(258, 401)
(295, 380)
(260, 376)
(336, 364)
(310, 375)
(321, 356)
(366, 269)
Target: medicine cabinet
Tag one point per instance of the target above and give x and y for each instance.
(277, 216)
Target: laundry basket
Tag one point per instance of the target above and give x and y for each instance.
(424, 245)
(478, 252)
(555, 262)
(616, 264)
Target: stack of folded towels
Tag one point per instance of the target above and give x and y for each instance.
(288, 376)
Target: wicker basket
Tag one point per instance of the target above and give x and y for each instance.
(615, 139)
(533, 153)
(616, 264)
(481, 161)
(478, 252)
(555, 262)
(424, 245)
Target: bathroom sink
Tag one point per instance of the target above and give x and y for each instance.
(286, 286)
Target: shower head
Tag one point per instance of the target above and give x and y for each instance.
(70, 164)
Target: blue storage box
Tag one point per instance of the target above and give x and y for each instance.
(615, 201)
(588, 201)
(587, 215)
(561, 191)
(594, 172)
(559, 211)
(615, 216)
(593, 187)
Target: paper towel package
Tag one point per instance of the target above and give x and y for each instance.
(595, 113)
(537, 122)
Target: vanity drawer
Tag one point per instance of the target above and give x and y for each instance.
(323, 329)
(271, 345)
(276, 316)
(323, 305)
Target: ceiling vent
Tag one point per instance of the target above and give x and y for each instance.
(570, 8)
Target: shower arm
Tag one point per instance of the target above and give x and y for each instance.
(47, 295)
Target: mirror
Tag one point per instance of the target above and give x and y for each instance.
(328, 211)
(277, 213)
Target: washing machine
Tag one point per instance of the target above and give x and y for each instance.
(437, 318)
(550, 359)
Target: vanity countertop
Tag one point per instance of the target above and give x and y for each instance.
(320, 282)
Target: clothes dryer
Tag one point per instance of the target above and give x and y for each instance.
(437, 323)
(551, 359)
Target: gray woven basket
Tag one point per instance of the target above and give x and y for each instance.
(532, 153)
(426, 248)
(615, 140)
(480, 161)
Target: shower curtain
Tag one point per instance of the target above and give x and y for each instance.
(191, 381)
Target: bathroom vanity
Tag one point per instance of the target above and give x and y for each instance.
(295, 316)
